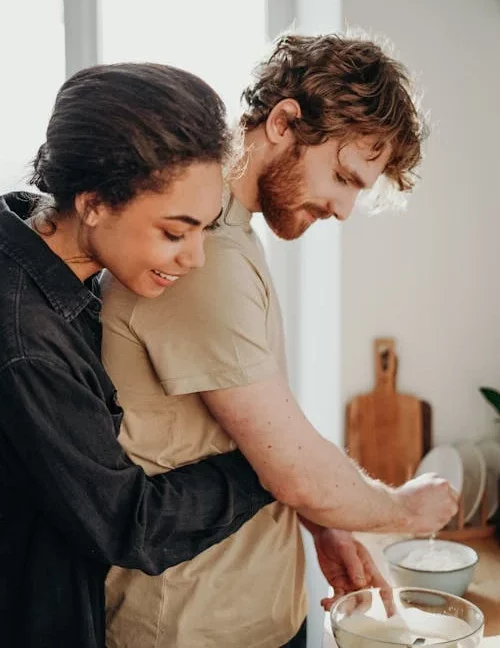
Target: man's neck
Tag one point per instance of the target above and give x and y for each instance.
(244, 186)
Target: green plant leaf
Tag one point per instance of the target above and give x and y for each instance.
(492, 396)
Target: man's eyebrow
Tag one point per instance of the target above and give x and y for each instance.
(356, 179)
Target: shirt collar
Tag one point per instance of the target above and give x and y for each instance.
(235, 213)
(62, 288)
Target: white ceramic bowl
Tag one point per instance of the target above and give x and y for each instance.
(396, 617)
(475, 470)
(439, 575)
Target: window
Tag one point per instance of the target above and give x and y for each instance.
(220, 41)
(32, 69)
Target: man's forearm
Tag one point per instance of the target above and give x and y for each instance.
(372, 509)
(347, 499)
(310, 474)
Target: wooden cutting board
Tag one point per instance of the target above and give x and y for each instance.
(387, 433)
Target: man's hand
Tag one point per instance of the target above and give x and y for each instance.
(346, 564)
(430, 503)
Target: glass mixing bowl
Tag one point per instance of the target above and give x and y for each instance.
(403, 617)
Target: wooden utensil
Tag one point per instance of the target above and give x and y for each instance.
(387, 432)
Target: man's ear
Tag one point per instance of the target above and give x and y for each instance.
(87, 208)
(279, 122)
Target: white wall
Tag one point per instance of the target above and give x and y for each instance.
(430, 277)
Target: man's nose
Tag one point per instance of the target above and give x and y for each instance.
(343, 206)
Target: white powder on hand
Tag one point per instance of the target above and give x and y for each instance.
(434, 559)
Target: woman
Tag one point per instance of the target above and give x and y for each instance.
(132, 150)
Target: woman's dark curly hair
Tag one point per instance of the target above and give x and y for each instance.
(119, 129)
(346, 88)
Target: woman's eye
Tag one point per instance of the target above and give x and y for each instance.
(212, 227)
(173, 237)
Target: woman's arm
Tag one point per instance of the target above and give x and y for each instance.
(59, 442)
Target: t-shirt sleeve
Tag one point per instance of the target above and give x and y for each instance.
(208, 331)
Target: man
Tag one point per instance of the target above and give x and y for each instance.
(325, 118)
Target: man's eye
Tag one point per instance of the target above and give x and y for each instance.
(173, 237)
(340, 178)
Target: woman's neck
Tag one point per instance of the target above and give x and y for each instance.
(65, 241)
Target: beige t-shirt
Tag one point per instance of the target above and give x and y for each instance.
(220, 326)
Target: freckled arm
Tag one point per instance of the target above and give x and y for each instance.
(299, 466)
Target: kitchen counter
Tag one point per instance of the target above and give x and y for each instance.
(484, 591)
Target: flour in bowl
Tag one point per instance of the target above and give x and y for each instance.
(434, 559)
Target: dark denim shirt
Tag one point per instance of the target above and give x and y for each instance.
(71, 502)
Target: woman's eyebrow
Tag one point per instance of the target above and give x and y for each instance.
(189, 220)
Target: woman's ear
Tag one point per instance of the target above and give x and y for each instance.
(87, 208)
(279, 121)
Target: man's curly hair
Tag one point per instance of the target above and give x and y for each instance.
(346, 88)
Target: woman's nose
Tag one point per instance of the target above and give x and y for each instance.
(193, 255)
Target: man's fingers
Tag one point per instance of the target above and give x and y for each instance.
(388, 601)
(377, 580)
(353, 564)
(326, 603)
(373, 574)
(455, 494)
